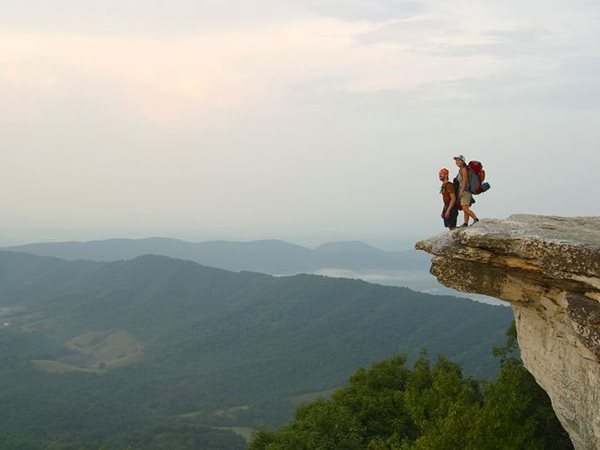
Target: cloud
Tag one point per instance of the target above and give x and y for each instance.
(163, 79)
(373, 10)
(298, 115)
(189, 16)
(167, 79)
(155, 17)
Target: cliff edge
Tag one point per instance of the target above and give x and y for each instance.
(548, 268)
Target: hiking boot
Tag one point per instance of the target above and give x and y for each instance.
(475, 221)
(464, 225)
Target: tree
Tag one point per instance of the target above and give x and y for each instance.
(517, 412)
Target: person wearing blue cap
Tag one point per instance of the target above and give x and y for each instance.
(465, 197)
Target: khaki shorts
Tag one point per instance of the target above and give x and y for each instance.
(466, 199)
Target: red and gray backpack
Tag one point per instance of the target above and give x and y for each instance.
(476, 178)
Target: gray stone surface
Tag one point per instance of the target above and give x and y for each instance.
(549, 269)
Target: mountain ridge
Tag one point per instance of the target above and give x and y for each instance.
(268, 255)
(157, 338)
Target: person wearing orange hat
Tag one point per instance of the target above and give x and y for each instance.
(450, 210)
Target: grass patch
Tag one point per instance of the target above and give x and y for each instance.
(312, 396)
(96, 352)
(51, 366)
(231, 413)
(246, 433)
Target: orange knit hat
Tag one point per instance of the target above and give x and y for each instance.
(444, 172)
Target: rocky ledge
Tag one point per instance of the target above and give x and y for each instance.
(548, 268)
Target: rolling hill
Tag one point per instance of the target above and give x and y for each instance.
(267, 256)
(100, 351)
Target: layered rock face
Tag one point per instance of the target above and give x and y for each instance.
(548, 268)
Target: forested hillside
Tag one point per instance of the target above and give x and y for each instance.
(132, 351)
(431, 406)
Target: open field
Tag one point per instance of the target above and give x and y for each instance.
(96, 352)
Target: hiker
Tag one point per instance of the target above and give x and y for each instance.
(450, 210)
(465, 196)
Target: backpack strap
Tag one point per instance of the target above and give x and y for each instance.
(466, 180)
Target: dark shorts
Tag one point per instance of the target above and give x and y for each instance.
(450, 222)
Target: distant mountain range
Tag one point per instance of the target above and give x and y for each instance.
(266, 256)
(95, 351)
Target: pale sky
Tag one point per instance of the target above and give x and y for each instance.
(303, 120)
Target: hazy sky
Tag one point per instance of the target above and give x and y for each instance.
(304, 120)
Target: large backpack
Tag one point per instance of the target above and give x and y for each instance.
(476, 183)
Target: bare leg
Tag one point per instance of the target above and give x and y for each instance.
(468, 213)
